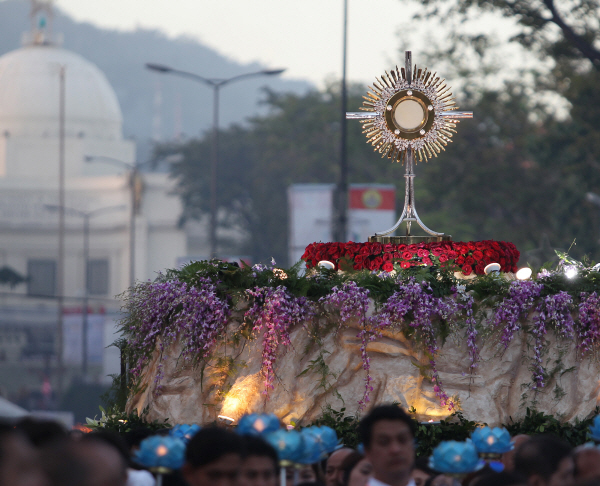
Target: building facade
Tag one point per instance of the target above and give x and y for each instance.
(59, 115)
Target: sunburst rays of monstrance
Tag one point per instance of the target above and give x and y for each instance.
(409, 114)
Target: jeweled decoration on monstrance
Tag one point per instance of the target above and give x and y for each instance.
(407, 112)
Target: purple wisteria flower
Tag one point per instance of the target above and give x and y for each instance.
(553, 309)
(353, 302)
(589, 322)
(414, 305)
(166, 311)
(467, 307)
(521, 298)
(417, 299)
(464, 304)
(275, 311)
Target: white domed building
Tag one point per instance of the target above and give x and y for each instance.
(30, 80)
(58, 110)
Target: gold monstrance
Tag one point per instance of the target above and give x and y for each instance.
(407, 113)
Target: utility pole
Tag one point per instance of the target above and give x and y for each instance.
(60, 273)
(340, 226)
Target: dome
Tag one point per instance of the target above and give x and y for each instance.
(30, 95)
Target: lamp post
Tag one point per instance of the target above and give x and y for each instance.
(340, 226)
(60, 274)
(133, 178)
(593, 198)
(86, 215)
(216, 84)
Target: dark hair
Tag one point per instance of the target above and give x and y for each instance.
(503, 478)
(422, 464)
(349, 462)
(62, 465)
(72, 462)
(209, 444)
(257, 447)
(429, 480)
(318, 470)
(589, 482)
(541, 455)
(110, 438)
(135, 436)
(383, 412)
(41, 432)
(5, 431)
(473, 478)
(174, 478)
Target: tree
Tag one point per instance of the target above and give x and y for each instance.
(8, 276)
(569, 30)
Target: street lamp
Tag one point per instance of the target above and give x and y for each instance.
(593, 198)
(133, 186)
(215, 84)
(86, 215)
(340, 225)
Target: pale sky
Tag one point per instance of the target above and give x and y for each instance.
(304, 36)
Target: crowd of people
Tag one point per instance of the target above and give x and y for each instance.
(36, 453)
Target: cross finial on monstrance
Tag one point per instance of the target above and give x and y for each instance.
(407, 114)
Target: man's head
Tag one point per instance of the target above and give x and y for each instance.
(104, 463)
(19, 462)
(504, 478)
(587, 463)
(545, 461)
(260, 465)
(89, 461)
(388, 436)
(41, 432)
(213, 457)
(349, 462)
(508, 458)
(334, 464)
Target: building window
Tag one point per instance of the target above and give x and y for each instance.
(97, 273)
(41, 277)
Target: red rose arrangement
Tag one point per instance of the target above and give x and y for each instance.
(467, 257)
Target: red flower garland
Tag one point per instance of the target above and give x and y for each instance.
(468, 257)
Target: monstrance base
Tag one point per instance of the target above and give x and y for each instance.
(409, 240)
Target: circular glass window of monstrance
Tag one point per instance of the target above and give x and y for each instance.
(410, 114)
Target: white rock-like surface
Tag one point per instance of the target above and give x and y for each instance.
(493, 394)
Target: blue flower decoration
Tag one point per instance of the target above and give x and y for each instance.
(328, 438)
(496, 466)
(288, 444)
(595, 429)
(161, 452)
(312, 450)
(318, 442)
(453, 457)
(491, 441)
(184, 431)
(258, 424)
